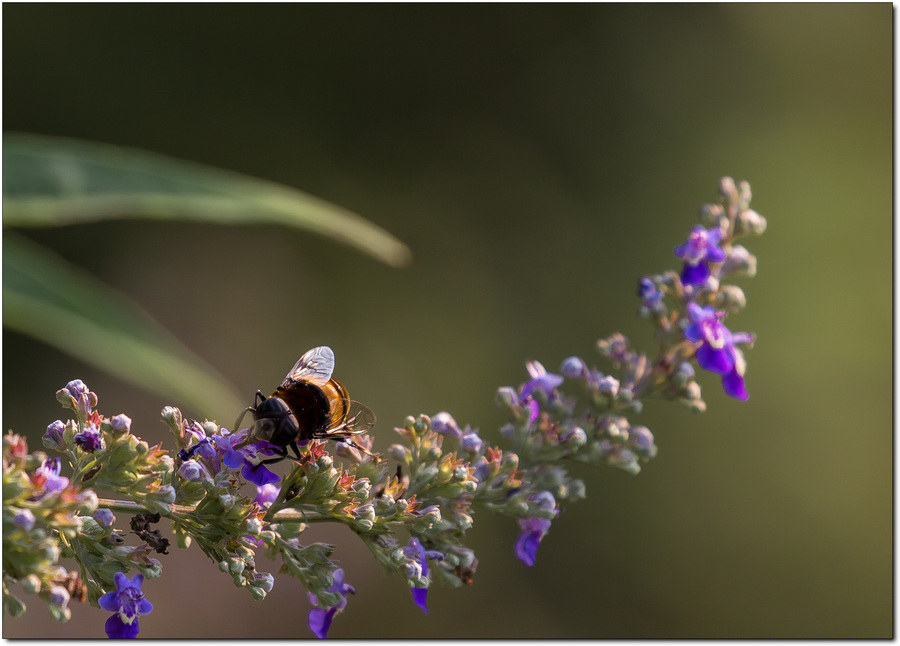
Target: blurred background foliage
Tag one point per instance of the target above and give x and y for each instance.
(537, 160)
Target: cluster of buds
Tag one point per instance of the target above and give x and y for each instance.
(43, 513)
(216, 488)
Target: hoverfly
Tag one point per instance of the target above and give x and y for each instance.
(308, 405)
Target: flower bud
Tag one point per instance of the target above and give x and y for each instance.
(444, 424)
(573, 367)
(728, 190)
(264, 581)
(421, 425)
(730, 298)
(749, 222)
(58, 596)
(641, 441)
(683, 374)
(507, 396)
(399, 453)
(510, 461)
(740, 262)
(121, 424)
(609, 386)
(192, 471)
(172, 416)
(53, 437)
(31, 584)
(104, 517)
(24, 518)
(471, 443)
(253, 526)
(711, 215)
(576, 438)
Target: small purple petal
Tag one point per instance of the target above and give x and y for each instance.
(266, 494)
(533, 530)
(733, 384)
(695, 274)
(110, 602)
(420, 598)
(258, 474)
(719, 361)
(118, 629)
(534, 410)
(694, 332)
(714, 254)
(320, 621)
(24, 518)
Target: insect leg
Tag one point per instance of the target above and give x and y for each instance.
(282, 455)
(296, 449)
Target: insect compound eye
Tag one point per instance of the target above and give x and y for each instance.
(264, 428)
(275, 422)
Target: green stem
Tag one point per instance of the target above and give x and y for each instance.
(282, 516)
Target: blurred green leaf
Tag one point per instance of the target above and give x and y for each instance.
(52, 181)
(60, 304)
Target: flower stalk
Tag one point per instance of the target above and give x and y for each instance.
(412, 507)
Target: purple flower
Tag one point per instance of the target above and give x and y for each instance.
(127, 603)
(573, 367)
(76, 388)
(533, 530)
(421, 555)
(540, 380)
(444, 424)
(245, 458)
(104, 517)
(319, 619)
(192, 471)
(54, 435)
(24, 518)
(650, 295)
(717, 352)
(47, 477)
(471, 442)
(89, 439)
(266, 495)
(121, 423)
(700, 249)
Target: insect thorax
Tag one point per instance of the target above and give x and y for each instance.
(310, 407)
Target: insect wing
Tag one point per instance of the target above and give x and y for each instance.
(349, 417)
(315, 366)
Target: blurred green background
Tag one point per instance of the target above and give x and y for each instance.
(538, 160)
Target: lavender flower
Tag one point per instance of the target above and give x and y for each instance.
(421, 555)
(24, 518)
(89, 439)
(53, 436)
(104, 517)
(540, 380)
(573, 367)
(193, 471)
(717, 352)
(700, 249)
(533, 530)
(127, 603)
(651, 297)
(266, 494)
(320, 619)
(245, 457)
(47, 477)
(444, 424)
(121, 424)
